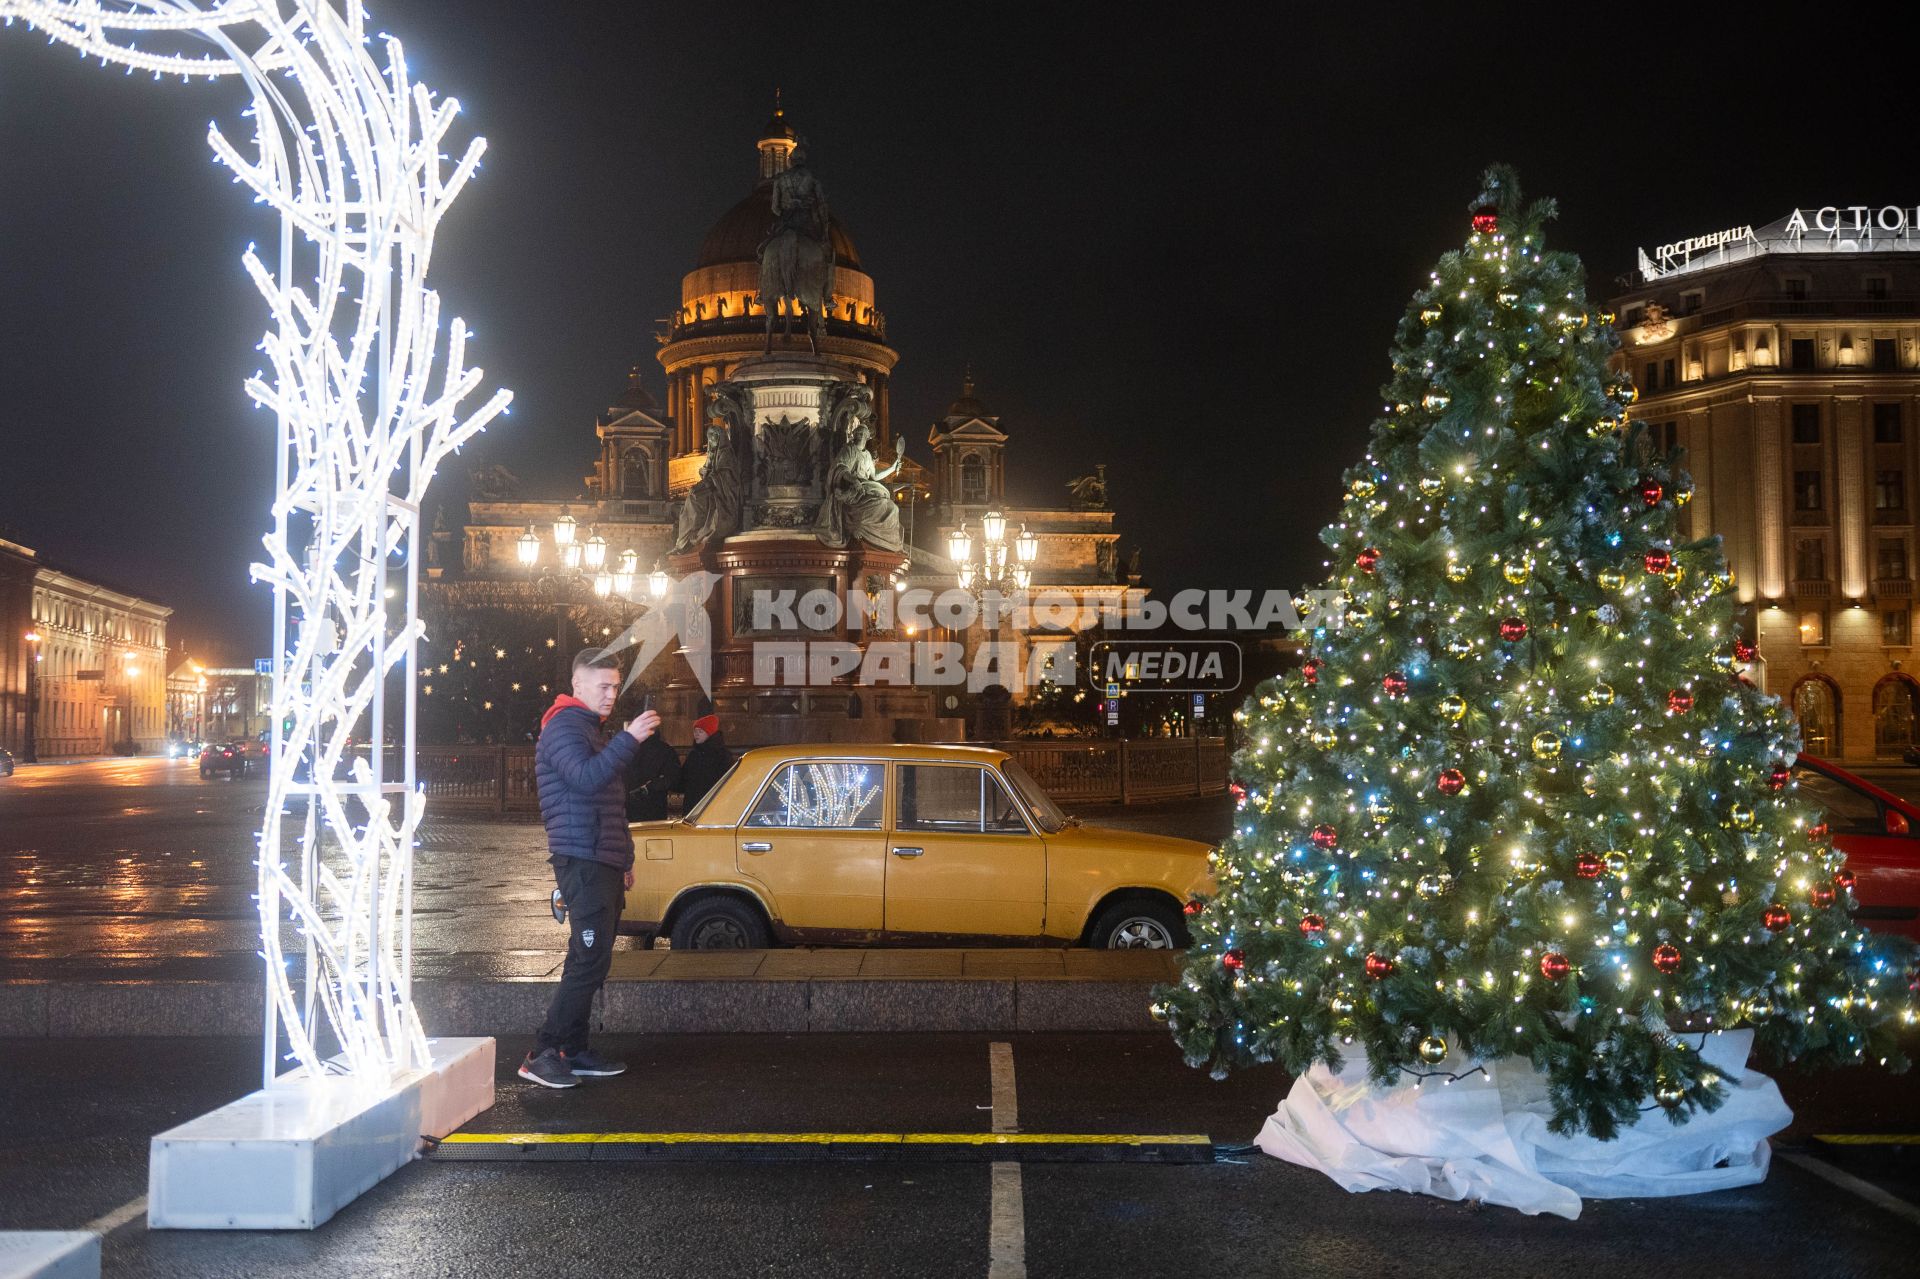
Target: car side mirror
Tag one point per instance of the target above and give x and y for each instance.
(1897, 823)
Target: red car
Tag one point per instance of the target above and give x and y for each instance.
(1880, 834)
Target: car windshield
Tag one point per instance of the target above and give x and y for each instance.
(693, 814)
(1046, 814)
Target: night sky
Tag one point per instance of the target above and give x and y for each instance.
(1170, 239)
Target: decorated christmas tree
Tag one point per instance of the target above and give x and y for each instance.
(1521, 799)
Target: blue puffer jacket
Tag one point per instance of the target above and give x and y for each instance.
(583, 793)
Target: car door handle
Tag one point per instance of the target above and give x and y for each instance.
(908, 852)
(757, 846)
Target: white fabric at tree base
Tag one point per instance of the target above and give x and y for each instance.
(1485, 1136)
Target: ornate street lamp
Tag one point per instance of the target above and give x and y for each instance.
(30, 754)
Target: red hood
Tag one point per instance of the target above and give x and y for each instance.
(561, 703)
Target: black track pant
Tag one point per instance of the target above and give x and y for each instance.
(595, 893)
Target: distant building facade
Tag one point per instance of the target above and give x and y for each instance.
(83, 663)
(1785, 361)
(483, 607)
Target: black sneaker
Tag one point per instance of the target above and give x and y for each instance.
(548, 1069)
(588, 1062)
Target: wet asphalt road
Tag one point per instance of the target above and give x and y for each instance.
(139, 868)
(73, 1146)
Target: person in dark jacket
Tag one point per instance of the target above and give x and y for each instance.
(654, 771)
(581, 775)
(706, 763)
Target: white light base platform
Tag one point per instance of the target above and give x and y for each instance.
(1484, 1136)
(49, 1254)
(290, 1156)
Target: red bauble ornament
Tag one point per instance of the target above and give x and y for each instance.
(1779, 777)
(1651, 492)
(1310, 670)
(1817, 832)
(1821, 895)
(1324, 836)
(1589, 866)
(1194, 908)
(1679, 701)
(1657, 561)
(1312, 926)
(1450, 781)
(1395, 683)
(1554, 966)
(1776, 918)
(1512, 629)
(1367, 560)
(1486, 219)
(1666, 958)
(1234, 960)
(1845, 879)
(1379, 967)
(1238, 792)
(1744, 652)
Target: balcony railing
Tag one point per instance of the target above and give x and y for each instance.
(1811, 590)
(1893, 587)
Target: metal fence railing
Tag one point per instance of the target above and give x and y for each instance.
(499, 779)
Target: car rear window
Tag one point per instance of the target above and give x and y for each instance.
(1849, 811)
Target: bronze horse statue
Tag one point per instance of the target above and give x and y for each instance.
(796, 258)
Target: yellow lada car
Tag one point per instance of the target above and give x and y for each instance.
(910, 845)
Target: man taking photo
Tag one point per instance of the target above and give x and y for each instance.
(581, 775)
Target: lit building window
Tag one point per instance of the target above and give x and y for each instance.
(1813, 626)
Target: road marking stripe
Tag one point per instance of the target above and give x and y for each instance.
(1007, 1206)
(1868, 1139)
(827, 1138)
(1006, 1103)
(1847, 1181)
(112, 1221)
(1007, 1231)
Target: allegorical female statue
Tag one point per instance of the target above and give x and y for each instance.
(712, 508)
(855, 503)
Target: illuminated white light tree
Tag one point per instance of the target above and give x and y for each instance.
(348, 152)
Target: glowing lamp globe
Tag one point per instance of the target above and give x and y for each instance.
(527, 545)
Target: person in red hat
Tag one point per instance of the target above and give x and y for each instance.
(706, 763)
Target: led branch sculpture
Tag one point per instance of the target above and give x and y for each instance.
(348, 152)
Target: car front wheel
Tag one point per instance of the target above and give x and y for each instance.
(1139, 924)
(720, 923)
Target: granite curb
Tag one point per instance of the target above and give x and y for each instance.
(663, 1004)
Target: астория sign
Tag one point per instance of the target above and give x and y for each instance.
(1829, 228)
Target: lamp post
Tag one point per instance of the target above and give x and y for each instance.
(580, 569)
(993, 566)
(31, 752)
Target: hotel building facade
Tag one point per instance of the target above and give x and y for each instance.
(1785, 361)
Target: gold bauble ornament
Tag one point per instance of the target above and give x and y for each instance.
(1741, 817)
(1452, 707)
(1458, 570)
(1674, 573)
(1433, 885)
(1759, 1008)
(1429, 314)
(1323, 738)
(1724, 660)
(1359, 615)
(1340, 1004)
(1670, 1094)
(1433, 1050)
(1616, 862)
(1516, 571)
(1524, 868)
(1590, 784)
(1683, 494)
(1380, 809)
(1361, 488)
(1432, 486)
(1435, 400)
(1459, 646)
(1159, 1011)
(1610, 579)
(1546, 744)
(1600, 695)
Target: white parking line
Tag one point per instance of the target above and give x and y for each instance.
(1007, 1220)
(1848, 1182)
(110, 1222)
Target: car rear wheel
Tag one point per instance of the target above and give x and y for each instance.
(1139, 924)
(720, 923)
